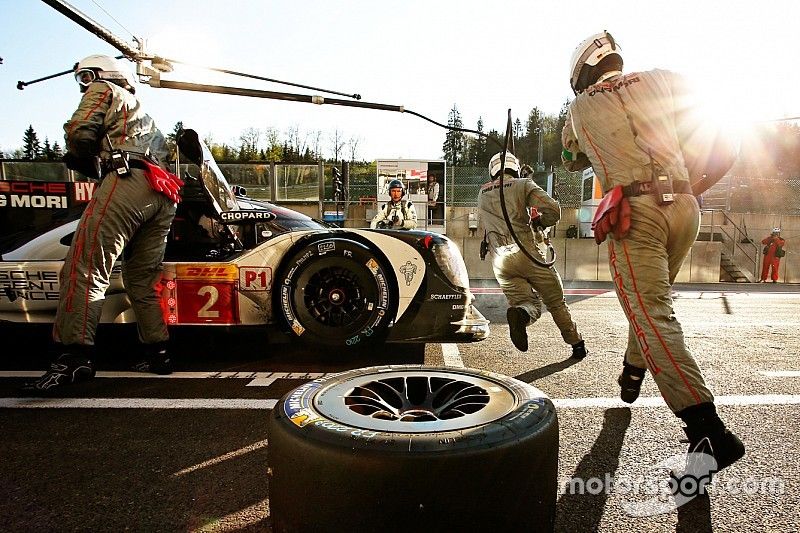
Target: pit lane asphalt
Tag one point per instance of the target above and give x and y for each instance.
(159, 462)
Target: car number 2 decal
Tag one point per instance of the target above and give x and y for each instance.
(201, 302)
(207, 311)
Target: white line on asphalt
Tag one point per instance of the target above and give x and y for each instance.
(241, 403)
(753, 400)
(780, 373)
(135, 403)
(452, 357)
(262, 379)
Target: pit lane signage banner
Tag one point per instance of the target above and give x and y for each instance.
(44, 194)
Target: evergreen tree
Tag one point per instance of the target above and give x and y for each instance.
(481, 156)
(31, 148)
(47, 151)
(58, 153)
(172, 141)
(517, 134)
(453, 146)
(534, 129)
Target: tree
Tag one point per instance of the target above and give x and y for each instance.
(534, 128)
(453, 146)
(517, 135)
(337, 144)
(552, 137)
(222, 153)
(249, 141)
(352, 146)
(47, 151)
(316, 144)
(480, 156)
(172, 141)
(275, 150)
(31, 148)
(58, 153)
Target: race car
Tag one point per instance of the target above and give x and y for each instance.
(236, 261)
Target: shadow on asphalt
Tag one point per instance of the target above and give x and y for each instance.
(695, 516)
(205, 348)
(583, 512)
(543, 372)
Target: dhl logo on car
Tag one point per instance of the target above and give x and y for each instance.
(207, 272)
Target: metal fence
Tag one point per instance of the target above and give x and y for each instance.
(462, 185)
(313, 182)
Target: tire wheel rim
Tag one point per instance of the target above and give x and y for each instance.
(334, 297)
(416, 401)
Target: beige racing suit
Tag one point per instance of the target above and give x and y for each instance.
(622, 126)
(397, 215)
(125, 213)
(524, 283)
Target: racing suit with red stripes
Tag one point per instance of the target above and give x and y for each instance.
(124, 214)
(524, 283)
(771, 260)
(623, 125)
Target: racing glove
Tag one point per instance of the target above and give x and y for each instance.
(613, 216)
(162, 181)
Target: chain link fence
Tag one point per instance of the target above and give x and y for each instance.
(763, 195)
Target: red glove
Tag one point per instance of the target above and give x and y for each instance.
(613, 215)
(164, 182)
(536, 218)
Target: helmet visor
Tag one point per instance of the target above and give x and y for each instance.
(85, 76)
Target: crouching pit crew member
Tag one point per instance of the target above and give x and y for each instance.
(397, 213)
(525, 284)
(110, 137)
(652, 156)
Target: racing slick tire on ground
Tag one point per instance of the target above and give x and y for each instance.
(336, 292)
(413, 448)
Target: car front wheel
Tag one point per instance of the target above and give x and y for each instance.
(336, 292)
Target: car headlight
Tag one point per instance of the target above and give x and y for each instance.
(449, 259)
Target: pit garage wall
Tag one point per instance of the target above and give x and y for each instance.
(583, 260)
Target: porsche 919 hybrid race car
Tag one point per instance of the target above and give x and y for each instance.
(232, 261)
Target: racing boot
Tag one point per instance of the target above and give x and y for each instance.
(157, 359)
(630, 382)
(518, 319)
(579, 350)
(72, 366)
(712, 447)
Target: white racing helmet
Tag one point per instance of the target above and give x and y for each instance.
(103, 67)
(587, 55)
(512, 164)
